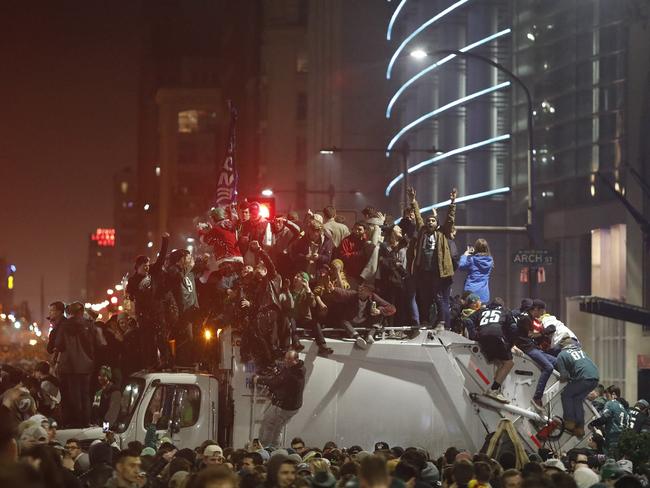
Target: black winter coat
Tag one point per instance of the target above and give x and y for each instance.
(287, 386)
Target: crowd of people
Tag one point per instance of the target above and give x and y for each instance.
(274, 282)
(29, 458)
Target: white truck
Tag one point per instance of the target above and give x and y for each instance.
(427, 392)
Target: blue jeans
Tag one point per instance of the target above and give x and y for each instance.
(573, 395)
(442, 306)
(547, 363)
(411, 300)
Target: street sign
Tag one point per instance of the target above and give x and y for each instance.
(533, 257)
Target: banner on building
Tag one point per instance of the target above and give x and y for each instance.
(227, 169)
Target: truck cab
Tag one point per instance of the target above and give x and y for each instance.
(187, 401)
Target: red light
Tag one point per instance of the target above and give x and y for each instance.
(264, 211)
(104, 237)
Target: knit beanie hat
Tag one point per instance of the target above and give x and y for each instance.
(106, 371)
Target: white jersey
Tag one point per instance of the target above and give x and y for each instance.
(561, 330)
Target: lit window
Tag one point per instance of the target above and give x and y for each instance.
(190, 121)
(124, 187)
(157, 170)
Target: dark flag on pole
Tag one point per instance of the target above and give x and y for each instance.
(227, 170)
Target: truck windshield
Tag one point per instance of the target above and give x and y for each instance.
(131, 395)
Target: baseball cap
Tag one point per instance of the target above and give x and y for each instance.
(148, 451)
(626, 465)
(212, 450)
(537, 303)
(555, 464)
(323, 479)
(106, 371)
(355, 449)
(526, 304)
(381, 445)
(472, 298)
(35, 434)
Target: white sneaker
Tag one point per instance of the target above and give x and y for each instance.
(361, 343)
(496, 395)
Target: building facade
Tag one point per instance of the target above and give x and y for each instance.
(584, 65)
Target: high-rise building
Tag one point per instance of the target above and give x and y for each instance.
(586, 65)
(458, 107)
(195, 57)
(126, 218)
(321, 88)
(580, 61)
(101, 272)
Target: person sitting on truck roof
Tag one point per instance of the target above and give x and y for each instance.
(302, 312)
(358, 309)
(490, 328)
(286, 389)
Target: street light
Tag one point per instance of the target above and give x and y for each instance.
(419, 54)
(267, 192)
(530, 217)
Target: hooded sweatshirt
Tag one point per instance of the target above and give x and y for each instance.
(478, 269)
(100, 456)
(76, 342)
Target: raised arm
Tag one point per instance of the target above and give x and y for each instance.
(450, 221)
(419, 221)
(162, 254)
(264, 256)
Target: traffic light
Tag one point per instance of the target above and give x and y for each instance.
(267, 206)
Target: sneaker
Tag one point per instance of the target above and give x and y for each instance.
(323, 350)
(496, 395)
(361, 342)
(440, 326)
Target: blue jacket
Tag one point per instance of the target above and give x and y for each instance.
(478, 274)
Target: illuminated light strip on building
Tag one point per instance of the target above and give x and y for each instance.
(439, 63)
(446, 155)
(394, 18)
(442, 109)
(417, 31)
(466, 198)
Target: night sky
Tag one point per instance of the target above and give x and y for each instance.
(68, 107)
